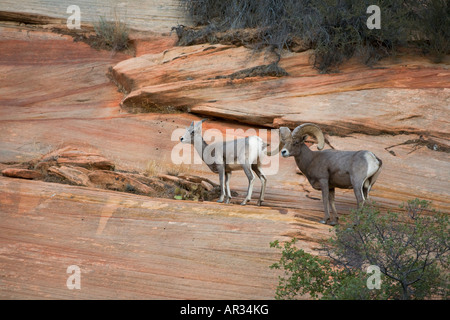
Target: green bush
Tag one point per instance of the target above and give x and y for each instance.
(336, 29)
(410, 248)
(309, 275)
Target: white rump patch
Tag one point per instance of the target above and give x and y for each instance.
(372, 164)
(372, 167)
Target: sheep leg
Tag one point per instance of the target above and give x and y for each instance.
(227, 185)
(222, 184)
(251, 180)
(359, 194)
(334, 217)
(325, 199)
(263, 179)
(366, 192)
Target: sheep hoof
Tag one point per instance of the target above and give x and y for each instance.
(333, 223)
(227, 201)
(220, 200)
(243, 203)
(259, 203)
(323, 221)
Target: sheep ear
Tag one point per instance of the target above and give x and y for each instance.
(191, 126)
(199, 124)
(198, 127)
(285, 133)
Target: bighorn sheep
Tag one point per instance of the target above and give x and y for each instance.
(330, 169)
(226, 156)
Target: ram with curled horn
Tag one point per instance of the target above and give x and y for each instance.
(330, 169)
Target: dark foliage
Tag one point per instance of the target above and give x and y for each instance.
(336, 29)
(409, 248)
(433, 27)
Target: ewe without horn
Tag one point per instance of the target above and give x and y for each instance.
(227, 156)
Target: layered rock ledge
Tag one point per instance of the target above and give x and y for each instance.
(407, 95)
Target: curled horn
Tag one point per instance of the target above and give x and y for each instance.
(312, 130)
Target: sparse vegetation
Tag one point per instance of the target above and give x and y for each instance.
(146, 105)
(269, 70)
(154, 168)
(336, 29)
(434, 28)
(410, 248)
(182, 189)
(112, 33)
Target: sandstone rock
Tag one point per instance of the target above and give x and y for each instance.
(152, 182)
(207, 185)
(9, 165)
(118, 181)
(143, 179)
(67, 98)
(147, 245)
(21, 173)
(180, 181)
(44, 166)
(359, 99)
(167, 177)
(70, 174)
(152, 43)
(191, 178)
(155, 16)
(89, 162)
(75, 157)
(199, 62)
(28, 18)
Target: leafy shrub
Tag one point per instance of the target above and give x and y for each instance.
(336, 29)
(434, 27)
(306, 274)
(343, 32)
(410, 249)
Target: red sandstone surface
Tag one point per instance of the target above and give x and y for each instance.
(55, 93)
